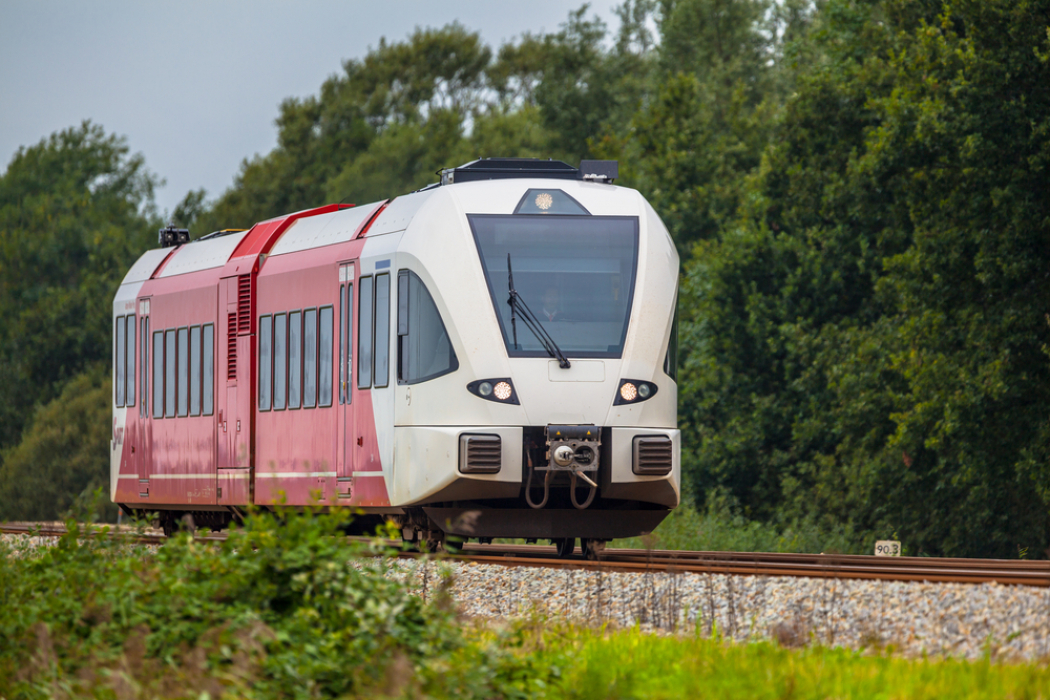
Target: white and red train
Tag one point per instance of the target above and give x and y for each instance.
(491, 356)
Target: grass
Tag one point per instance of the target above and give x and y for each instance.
(632, 664)
(288, 608)
(718, 528)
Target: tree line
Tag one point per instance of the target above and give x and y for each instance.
(858, 190)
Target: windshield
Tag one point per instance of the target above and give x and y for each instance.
(576, 273)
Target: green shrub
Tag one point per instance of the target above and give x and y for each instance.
(719, 527)
(285, 607)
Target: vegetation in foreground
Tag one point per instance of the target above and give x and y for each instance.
(291, 609)
(719, 527)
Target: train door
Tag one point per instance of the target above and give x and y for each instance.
(140, 451)
(226, 375)
(345, 353)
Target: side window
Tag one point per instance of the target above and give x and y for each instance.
(195, 371)
(265, 361)
(295, 358)
(309, 358)
(209, 369)
(158, 374)
(170, 374)
(130, 345)
(382, 347)
(324, 335)
(423, 347)
(671, 358)
(183, 380)
(364, 334)
(280, 360)
(119, 348)
(144, 363)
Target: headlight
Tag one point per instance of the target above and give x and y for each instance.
(500, 390)
(634, 391)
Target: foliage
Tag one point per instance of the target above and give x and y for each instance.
(719, 527)
(866, 343)
(289, 607)
(284, 607)
(63, 455)
(857, 189)
(75, 212)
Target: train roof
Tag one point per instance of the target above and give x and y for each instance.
(338, 223)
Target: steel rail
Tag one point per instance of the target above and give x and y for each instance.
(838, 566)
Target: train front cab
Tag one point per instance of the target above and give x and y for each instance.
(467, 443)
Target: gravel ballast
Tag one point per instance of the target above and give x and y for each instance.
(941, 619)
(913, 619)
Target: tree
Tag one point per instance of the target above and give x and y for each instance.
(75, 211)
(64, 453)
(867, 341)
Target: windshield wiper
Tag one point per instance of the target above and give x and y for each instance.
(518, 306)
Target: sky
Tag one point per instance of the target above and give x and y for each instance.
(195, 86)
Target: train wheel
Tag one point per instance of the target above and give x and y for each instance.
(566, 546)
(592, 549)
(169, 523)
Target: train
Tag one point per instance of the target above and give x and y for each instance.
(491, 356)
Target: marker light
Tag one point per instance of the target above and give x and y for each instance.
(634, 391)
(497, 389)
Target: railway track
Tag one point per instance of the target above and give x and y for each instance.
(839, 566)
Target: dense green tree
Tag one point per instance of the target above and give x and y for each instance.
(64, 454)
(868, 341)
(75, 211)
(721, 75)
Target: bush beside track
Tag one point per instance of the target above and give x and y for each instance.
(292, 609)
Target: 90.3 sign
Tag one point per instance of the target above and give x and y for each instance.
(887, 548)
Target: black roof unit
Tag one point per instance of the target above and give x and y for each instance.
(507, 168)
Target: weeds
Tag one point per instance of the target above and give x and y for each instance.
(718, 527)
(284, 607)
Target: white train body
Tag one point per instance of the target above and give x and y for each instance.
(437, 442)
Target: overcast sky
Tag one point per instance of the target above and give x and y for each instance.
(195, 86)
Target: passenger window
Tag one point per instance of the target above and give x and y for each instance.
(309, 358)
(280, 360)
(130, 345)
(265, 361)
(195, 371)
(144, 363)
(118, 346)
(209, 369)
(382, 347)
(364, 334)
(170, 374)
(158, 374)
(324, 381)
(423, 347)
(183, 382)
(295, 360)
